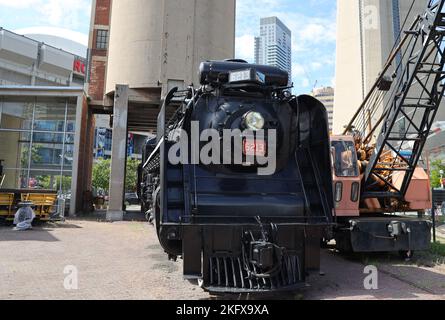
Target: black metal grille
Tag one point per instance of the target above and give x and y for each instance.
(154, 163)
(232, 273)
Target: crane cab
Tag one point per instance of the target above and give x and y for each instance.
(346, 176)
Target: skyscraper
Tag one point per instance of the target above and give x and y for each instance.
(274, 45)
(366, 33)
(326, 96)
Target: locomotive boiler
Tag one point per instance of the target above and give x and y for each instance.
(238, 181)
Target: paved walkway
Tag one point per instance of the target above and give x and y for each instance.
(124, 261)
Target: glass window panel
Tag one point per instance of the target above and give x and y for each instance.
(50, 115)
(54, 138)
(50, 180)
(14, 179)
(68, 157)
(51, 147)
(46, 156)
(101, 39)
(66, 184)
(69, 138)
(71, 118)
(14, 149)
(345, 159)
(16, 113)
(42, 180)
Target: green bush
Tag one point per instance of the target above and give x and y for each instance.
(438, 249)
(102, 171)
(436, 166)
(101, 174)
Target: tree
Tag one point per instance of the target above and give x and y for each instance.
(436, 166)
(101, 174)
(35, 155)
(131, 178)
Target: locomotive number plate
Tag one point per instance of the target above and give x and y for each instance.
(252, 147)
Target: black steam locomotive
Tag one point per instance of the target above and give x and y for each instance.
(239, 230)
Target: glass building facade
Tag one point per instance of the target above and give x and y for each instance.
(37, 137)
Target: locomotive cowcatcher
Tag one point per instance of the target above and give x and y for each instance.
(235, 229)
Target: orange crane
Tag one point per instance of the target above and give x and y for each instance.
(376, 170)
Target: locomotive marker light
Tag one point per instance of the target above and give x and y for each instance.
(249, 75)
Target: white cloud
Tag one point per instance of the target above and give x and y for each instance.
(245, 46)
(70, 14)
(317, 32)
(298, 69)
(19, 3)
(316, 65)
(66, 13)
(58, 32)
(305, 83)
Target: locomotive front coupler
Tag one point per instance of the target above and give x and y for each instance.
(264, 253)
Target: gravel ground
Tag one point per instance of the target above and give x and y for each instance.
(124, 261)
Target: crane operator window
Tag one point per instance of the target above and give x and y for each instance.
(345, 159)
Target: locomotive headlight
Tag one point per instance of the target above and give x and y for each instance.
(254, 121)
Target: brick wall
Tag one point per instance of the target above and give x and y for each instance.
(98, 63)
(96, 87)
(97, 79)
(102, 15)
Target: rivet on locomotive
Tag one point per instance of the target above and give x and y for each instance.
(237, 230)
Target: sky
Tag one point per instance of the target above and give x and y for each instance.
(312, 22)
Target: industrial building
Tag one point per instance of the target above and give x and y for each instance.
(138, 51)
(274, 45)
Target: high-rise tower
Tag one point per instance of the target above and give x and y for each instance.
(367, 30)
(274, 45)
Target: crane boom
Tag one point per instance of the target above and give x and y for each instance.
(407, 96)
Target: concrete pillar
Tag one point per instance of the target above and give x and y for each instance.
(118, 154)
(76, 191)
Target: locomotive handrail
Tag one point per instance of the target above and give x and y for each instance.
(153, 154)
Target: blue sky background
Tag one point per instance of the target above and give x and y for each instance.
(312, 22)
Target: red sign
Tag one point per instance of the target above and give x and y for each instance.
(79, 66)
(254, 147)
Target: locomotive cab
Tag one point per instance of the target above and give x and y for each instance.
(248, 195)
